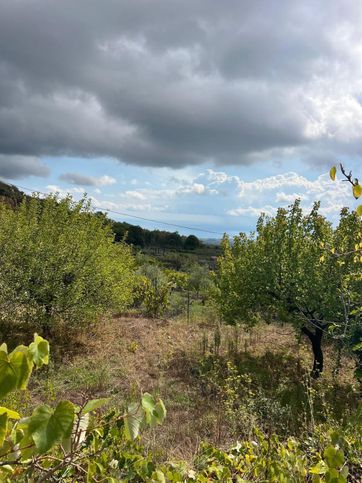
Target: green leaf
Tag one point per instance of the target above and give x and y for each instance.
(155, 412)
(3, 427)
(22, 366)
(8, 376)
(332, 173)
(132, 422)
(48, 426)
(344, 472)
(15, 370)
(7, 469)
(4, 347)
(39, 351)
(336, 437)
(333, 476)
(11, 414)
(28, 448)
(158, 476)
(160, 411)
(357, 347)
(83, 426)
(334, 457)
(359, 210)
(319, 469)
(357, 191)
(94, 404)
(149, 406)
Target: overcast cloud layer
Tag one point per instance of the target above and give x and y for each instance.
(181, 82)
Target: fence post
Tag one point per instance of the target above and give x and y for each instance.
(188, 306)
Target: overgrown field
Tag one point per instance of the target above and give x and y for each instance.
(117, 365)
(219, 384)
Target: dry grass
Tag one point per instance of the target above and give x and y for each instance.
(122, 356)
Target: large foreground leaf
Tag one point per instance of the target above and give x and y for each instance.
(22, 366)
(7, 375)
(132, 421)
(48, 426)
(15, 370)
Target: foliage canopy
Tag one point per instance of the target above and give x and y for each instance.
(59, 264)
(290, 270)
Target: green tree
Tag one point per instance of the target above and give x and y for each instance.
(154, 289)
(200, 281)
(348, 250)
(288, 270)
(59, 265)
(192, 242)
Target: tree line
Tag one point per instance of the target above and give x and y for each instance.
(126, 232)
(143, 238)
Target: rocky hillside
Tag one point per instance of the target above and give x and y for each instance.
(10, 194)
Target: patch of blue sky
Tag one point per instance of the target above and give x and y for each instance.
(219, 199)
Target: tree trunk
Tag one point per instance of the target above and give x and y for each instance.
(316, 340)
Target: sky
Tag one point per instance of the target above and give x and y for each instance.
(193, 112)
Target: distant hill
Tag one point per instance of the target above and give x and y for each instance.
(132, 234)
(211, 241)
(10, 194)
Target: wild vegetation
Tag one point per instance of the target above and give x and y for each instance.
(59, 267)
(141, 237)
(257, 359)
(123, 232)
(293, 269)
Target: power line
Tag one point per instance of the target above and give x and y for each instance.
(191, 228)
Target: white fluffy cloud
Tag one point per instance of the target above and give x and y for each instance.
(214, 199)
(281, 189)
(252, 211)
(282, 197)
(193, 188)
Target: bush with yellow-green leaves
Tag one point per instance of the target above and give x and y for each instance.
(64, 443)
(59, 266)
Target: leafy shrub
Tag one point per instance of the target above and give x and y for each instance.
(59, 265)
(267, 458)
(62, 443)
(153, 290)
(66, 444)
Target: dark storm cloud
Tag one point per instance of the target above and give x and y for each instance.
(170, 83)
(17, 167)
